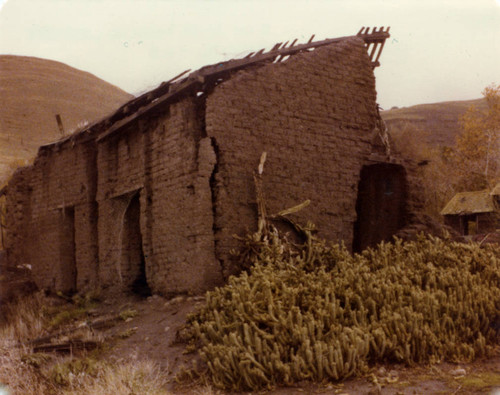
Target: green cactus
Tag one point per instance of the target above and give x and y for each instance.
(316, 312)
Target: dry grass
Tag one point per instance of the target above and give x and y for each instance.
(24, 322)
(121, 377)
(17, 376)
(25, 319)
(76, 375)
(25, 372)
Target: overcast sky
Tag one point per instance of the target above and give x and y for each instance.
(439, 49)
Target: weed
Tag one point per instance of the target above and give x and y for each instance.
(17, 376)
(78, 307)
(23, 372)
(36, 360)
(129, 313)
(64, 373)
(127, 333)
(88, 300)
(24, 318)
(66, 316)
(122, 377)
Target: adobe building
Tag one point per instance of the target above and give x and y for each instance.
(153, 194)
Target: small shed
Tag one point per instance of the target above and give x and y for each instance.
(472, 212)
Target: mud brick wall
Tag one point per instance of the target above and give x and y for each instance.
(414, 199)
(314, 115)
(120, 163)
(120, 176)
(165, 165)
(181, 163)
(17, 217)
(61, 237)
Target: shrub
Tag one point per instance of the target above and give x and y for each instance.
(315, 312)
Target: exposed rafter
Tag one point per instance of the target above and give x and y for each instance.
(207, 77)
(374, 41)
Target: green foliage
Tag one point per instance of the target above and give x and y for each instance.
(315, 312)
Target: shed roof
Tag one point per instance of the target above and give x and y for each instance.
(465, 203)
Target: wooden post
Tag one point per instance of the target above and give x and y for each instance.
(60, 124)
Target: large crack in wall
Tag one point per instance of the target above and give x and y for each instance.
(208, 153)
(214, 189)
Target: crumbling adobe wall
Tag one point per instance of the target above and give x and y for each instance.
(120, 176)
(17, 218)
(314, 115)
(167, 163)
(57, 226)
(181, 164)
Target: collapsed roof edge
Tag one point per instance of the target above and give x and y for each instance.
(170, 90)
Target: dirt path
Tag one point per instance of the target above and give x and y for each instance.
(151, 334)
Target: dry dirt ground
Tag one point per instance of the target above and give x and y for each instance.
(151, 334)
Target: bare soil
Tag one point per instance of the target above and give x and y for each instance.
(151, 334)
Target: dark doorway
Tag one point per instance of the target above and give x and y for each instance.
(380, 206)
(67, 256)
(133, 265)
(469, 225)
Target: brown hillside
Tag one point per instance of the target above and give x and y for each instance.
(33, 91)
(438, 122)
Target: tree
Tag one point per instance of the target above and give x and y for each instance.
(477, 152)
(473, 163)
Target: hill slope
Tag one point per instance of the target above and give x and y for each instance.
(438, 122)
(33, 91)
